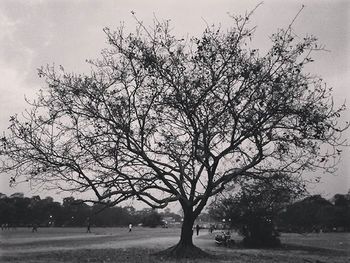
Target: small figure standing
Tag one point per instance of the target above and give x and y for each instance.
(130, 227)
(197, 229)
(35, 228)
(88, 225)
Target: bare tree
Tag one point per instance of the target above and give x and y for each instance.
(163, 119)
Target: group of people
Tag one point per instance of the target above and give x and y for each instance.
(5, 226)
(88, 227)
(13, 227)
(35, 226)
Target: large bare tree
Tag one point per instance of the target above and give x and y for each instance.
(164, 119)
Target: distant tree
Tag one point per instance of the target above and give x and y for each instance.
(75, 211)
(253, 207)
(7, 210)
(17, 195)
(310, 214)
(342, 200)
(130, 209)
(20, 212)
(205, 217)
(44, 212)
(68, 201)
(81, 212)
(103, 216)
(113, 216)
(167, 213)
(54, 213)
(151, 218)
(342, 211)
(164, 119)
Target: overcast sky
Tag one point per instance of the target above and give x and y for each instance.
(36, 33)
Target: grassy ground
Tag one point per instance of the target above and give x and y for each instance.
(53, 245)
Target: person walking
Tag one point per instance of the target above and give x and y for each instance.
(130, 227)
(197, 229)
(88, 225)
(211, 229)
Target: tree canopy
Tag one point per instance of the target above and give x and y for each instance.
(165, 119)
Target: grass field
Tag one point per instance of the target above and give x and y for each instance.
(54, 245)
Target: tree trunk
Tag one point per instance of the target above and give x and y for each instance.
(185, 247)
(187, 230)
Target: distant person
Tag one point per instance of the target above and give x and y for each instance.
(130, 227)
(35, 228)
(211, 228)
(88, 225)
(197, 229)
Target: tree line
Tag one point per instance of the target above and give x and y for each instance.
(317, 214)
(18, 211)
(260, 211)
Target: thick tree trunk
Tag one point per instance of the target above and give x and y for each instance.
(185, 247)
(187, 230)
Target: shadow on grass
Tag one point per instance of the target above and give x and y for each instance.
(144, 255)
(314, 250)
(132, 255)
(285, 247)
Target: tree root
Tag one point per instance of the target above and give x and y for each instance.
(183, 251)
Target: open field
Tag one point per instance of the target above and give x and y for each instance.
(117, 245)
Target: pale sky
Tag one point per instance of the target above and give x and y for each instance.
(36, 33)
